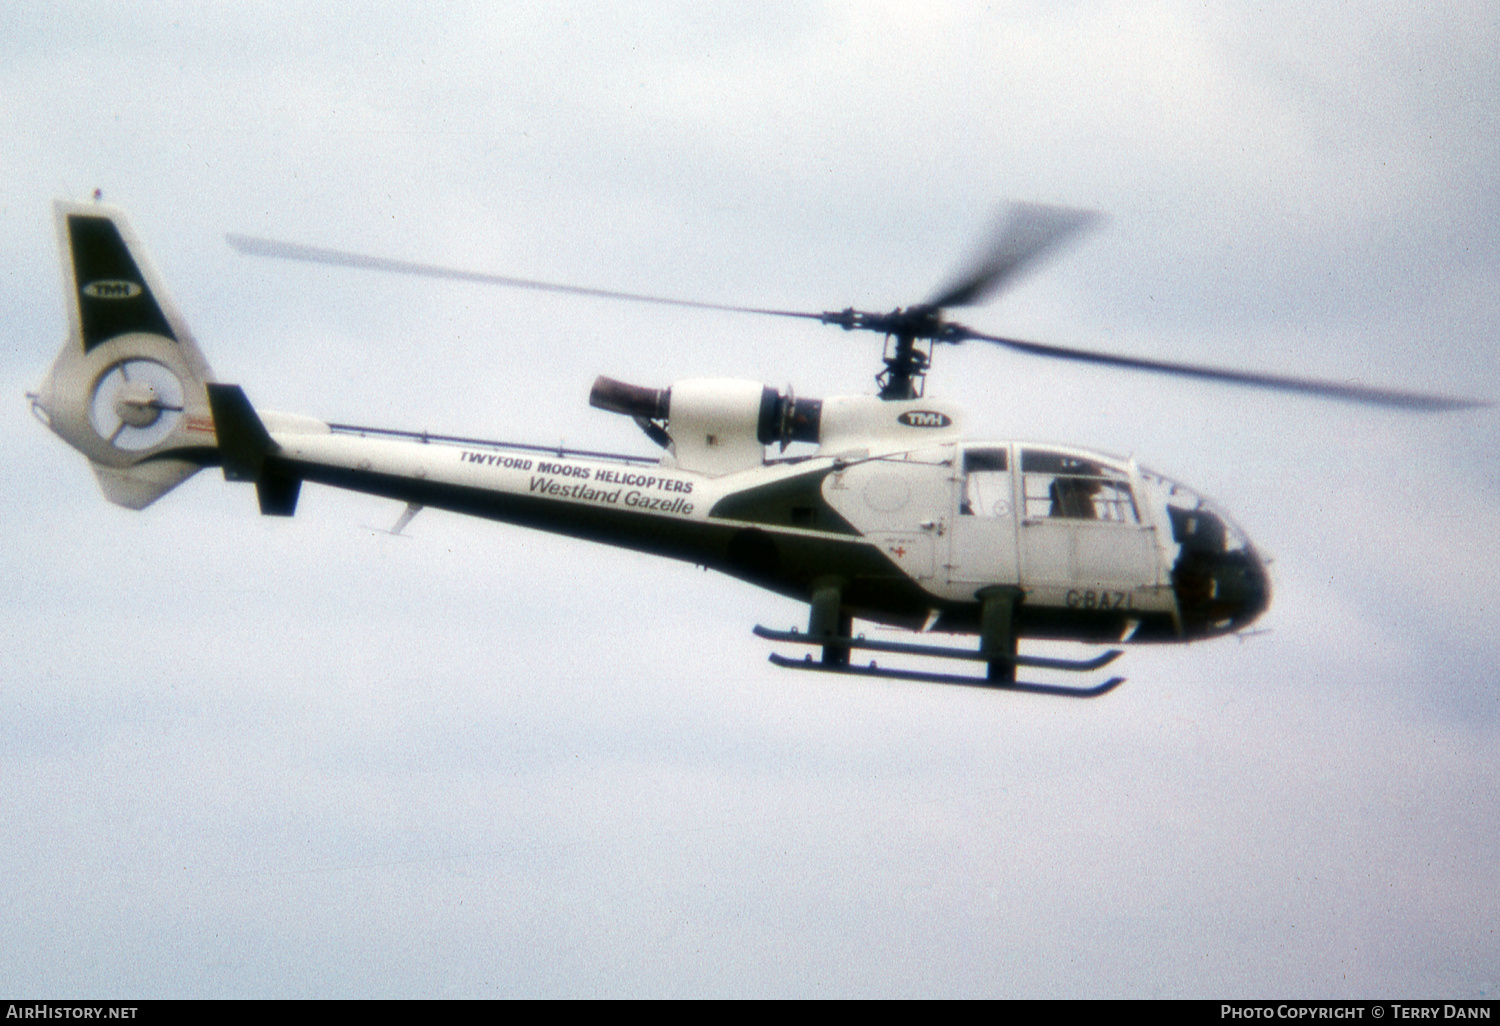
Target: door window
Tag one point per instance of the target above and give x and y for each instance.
(1064, 487)
(987, 491)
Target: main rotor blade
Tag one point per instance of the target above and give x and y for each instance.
(311, 254)
(1283, 383)
(1027, 232)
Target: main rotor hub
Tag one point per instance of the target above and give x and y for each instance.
(920, 321)
(905, 363)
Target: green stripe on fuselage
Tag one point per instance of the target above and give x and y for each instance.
(791, 502)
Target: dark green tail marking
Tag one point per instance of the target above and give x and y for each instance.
(113, 298)
(792, 502)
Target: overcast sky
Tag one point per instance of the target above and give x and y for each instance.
(251, 757)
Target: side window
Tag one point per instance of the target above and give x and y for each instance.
(1071, 488)
(987, 491)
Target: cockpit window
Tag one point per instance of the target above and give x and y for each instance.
(987, 490)
(1073, 488)
(1197, 524)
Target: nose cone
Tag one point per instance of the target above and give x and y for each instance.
(1245, 588)
(1219, 592)
(1219, 579)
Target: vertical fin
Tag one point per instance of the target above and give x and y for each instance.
(127, 389)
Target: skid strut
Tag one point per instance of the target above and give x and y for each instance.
(997, 631)
(827, 621)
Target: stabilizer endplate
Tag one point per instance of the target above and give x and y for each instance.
(247, 451)
(244, 442)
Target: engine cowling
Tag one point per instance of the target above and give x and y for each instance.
(719, 426)
(715, 425)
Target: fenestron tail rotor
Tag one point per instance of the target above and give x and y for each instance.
(1024, 234)
(137, 403)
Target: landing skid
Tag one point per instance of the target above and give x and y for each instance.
(841, 645)
(796, 637)
(830, 628)
(806, 663)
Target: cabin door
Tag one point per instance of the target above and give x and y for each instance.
(982, 538)
(1080, 528)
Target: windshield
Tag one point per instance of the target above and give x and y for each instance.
(1197, 523)
(1220, 582)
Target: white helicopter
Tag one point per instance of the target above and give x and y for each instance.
(894, 518)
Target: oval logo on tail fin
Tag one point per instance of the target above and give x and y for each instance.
(111, 288)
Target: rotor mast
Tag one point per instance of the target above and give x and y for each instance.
(906, 366)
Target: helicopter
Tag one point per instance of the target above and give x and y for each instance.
(895, 517)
